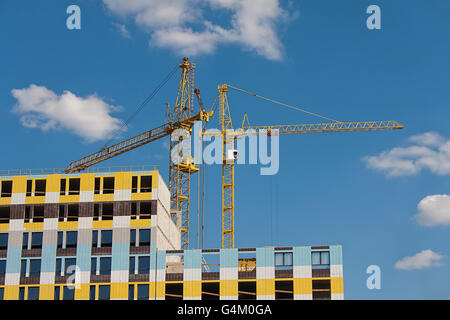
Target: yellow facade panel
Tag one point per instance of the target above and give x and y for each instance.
(4, 227)
(302, 286)
(46, 292)
(228, 288)
(337, 285)
(19, 184)
(11, 293)
(87, 181)
(140, 223)
(102, 224)
(119, 290)
(141, 196)
(192, 289)
(5, 201)
(67, 225)
(33, 226)
(265, 286)
(82, 291)
(35, 200)
(104, 197)
(73, 198)
(155, 175)
(122, 181)
(53, 183)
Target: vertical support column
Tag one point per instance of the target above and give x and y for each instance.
(83, 262)
(160, 276)
(48, 261)
(120, 255)
(302, 273)
(14, 254)
(228, 274)
(265, 274)
(336, 273)
(192, 288)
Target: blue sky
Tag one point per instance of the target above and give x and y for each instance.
(314, 54)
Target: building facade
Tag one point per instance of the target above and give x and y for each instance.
(109, 236)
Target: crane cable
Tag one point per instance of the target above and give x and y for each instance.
(142, 105)
(283, 104)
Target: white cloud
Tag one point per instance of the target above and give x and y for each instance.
(123, 30)
(181, 25)
(434, 210)
(422, 260)
(430, 151)
(88, 117)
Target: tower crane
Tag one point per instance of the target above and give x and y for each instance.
(181, 117)
(229, 154)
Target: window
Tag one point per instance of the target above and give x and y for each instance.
(3, 241)
(35, 268)
(283, 259)
(62, 213)
(146, 210)
(133, 212)
(72, 212)
(23, 268)
(146, 183)
(39, 187)
(71, 239)
(105, 265)
(131, 292)
(29, 187)
(69, 266)
(93, 266)
(143, 265)
(33, 293)
(6, 189)
(97, 186)
(21, 293)
(25, 241)
(4, 214)
(68, 293)
(94, 239)
(38, 214)
(103, 292)
(92, 293)
(320, 259)
(106, 238)
(321, 289)
(27, 213)
(36, 240)
(2, 268)
(57, 293)
(143, 291)
(96, 211)
(58, 267)
(108, 185)
(132, 265)
(107, 212)
(134, 184)
(2, 293)
(62, 187)
(144, 237)
(60, 239)
(133, 237)
(74, 186)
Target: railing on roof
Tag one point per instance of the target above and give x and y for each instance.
(44, 171)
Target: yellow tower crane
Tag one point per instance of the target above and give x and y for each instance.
(181, 117)
(229, 154)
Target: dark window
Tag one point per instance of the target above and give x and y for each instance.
(74, 186)
(29, 187)
(144, 237)
(321, 289)
(143, 265)
(36, 240)
(134, 184)
(39, 187)
(106, 240)
(2, 292)
(103, 292)
(62, 212)
(58, 267)
(97, 186)
(33, 293)
(71, 239)
(72, 212)
(23, 268)
(4, 214)
(2, 268)
(25, 241)
(94, 238)
(132, 265)
(6, 189)
(92, 293)
(68, 293)
(108, 185)
(146, 183)
(107, 211)
(131, 292)
(69, 266)
(93, 265)
(38, 214)
(133, 237)
(105, 265)
(62, 187)
(21, 293)
(146, 210)
(133, 212)
(35, 267)
(143, 291)
(27, 213)
(57, 293)
(3, 241)
(96, 211)
(60, 239)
